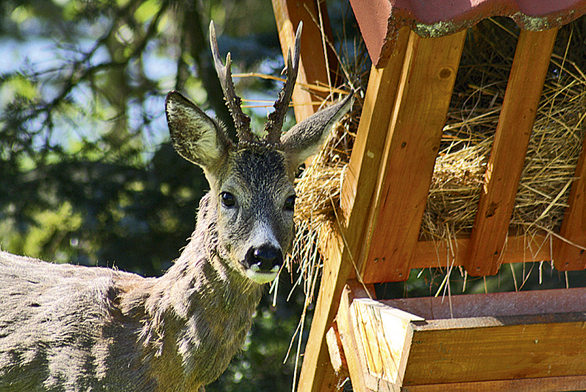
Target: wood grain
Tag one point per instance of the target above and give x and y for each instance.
(314, 61)
(341, 248)
(507, 157)
(415, 131)
(568, 257)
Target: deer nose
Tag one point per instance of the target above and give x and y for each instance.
(264, 259)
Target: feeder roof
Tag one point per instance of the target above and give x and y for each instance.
(380, 20)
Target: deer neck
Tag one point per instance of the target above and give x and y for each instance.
(200, 311)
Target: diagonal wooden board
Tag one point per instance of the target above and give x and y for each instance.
(414, 135)
(507, 157)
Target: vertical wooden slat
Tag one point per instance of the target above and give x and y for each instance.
(312, 66)
(415, 132)
(568, 257)
(357, 192)
(507, 157)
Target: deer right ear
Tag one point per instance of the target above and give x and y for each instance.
(195, 136)
(306, 138)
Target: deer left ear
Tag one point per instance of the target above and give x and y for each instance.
(195, 136)
(306, 138)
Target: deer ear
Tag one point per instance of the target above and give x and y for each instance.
(195, 136)
(306, 138)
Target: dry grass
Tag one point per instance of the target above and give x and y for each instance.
(468, 135)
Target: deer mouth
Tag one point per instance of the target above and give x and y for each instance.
(263, 263)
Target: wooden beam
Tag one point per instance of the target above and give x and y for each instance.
(452, 253)
(479, 341)
(497, 348)
(507, 158)
(521, 303)
(543, 384)
(415, 131)
(568, 257)
(317, 62)
(357, 193)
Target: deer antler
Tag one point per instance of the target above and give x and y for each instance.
(233, 101)
(275, 121)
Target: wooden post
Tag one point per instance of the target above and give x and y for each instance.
(507, 157)
(415, 132)
(315, 66)
(568, 257)
(357, 192)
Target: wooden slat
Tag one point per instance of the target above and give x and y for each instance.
(337, 358)
(538, 336)
(507, 157)
(518, 249)
(544, 384)
(357, 192)
(445, 254)
(352, 346)
(415, 133)
(568, 257)
(313, 65)
(522, 303)
(497, 348)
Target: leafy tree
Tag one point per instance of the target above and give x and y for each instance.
(87, 174)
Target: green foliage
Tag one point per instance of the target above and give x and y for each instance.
(87, 174)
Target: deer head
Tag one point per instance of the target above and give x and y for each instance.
(251, 181)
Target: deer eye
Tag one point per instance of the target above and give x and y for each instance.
(228, 199)
(290, 203)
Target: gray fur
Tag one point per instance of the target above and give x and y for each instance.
(72, 328)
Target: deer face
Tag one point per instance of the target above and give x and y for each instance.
(251, 182)
(255, 200)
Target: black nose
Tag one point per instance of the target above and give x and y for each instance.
(264, 258)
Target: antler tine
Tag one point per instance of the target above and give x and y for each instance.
(276, 118)
(233, 101)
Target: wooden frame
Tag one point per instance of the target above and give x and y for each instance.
(382, 201)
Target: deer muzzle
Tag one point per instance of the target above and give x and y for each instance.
(263, 263)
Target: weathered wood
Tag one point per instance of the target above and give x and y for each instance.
(315, 65)
(568, 257)
(497, 348)
(491, 338)
(415, 131)
(337, 358)
(543, 384)
(357, 192)
(507, 157)
(495, 304)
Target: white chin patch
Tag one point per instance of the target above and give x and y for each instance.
(262, 277)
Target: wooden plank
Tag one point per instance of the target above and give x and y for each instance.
(415, 133)
(568, 257)
(352, 347)
(452, 253)
(337, 358)
(544, 384)
(507, 157)
(495, 304)
(518, 249)
(384, 337)
(357, 191)
(314, 63)
(497, 348)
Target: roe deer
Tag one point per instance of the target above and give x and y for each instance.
(73, 328)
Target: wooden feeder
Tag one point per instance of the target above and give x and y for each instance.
(528, 341)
